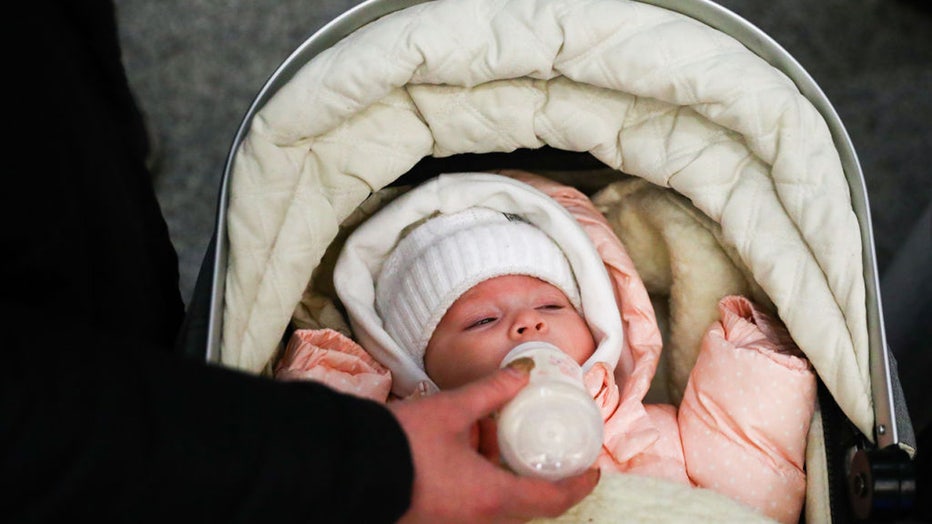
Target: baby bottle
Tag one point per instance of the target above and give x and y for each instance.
(552, 429)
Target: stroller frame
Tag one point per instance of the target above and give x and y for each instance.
(870, 469)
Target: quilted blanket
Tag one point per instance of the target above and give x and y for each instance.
(645, 90)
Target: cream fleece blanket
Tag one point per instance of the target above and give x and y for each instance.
(646, 91)
(669, 502)
(683, 261)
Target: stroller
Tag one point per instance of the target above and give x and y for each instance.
(680, 93)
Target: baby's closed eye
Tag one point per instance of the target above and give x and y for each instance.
(481, 322)
(551, 307)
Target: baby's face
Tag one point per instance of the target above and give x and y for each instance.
(496, 315)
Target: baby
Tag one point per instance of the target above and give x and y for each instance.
(443, 282)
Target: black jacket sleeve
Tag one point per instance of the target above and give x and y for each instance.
(99, 417)
(110, 429)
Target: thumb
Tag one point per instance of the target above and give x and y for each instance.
(486, 395)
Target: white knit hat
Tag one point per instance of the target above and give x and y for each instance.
(445, 256)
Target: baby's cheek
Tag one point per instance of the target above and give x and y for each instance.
(580, 342)
(494, 360)
(450, 365)
(435, 363)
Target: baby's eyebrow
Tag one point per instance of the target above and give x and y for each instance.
(552, 293)
(468, 308)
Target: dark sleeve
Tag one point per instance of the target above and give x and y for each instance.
(105, 427)
(99, 416)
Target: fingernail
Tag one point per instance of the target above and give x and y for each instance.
(522, 365)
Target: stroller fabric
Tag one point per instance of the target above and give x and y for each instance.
(648, 92)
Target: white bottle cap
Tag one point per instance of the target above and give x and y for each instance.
(552, 429)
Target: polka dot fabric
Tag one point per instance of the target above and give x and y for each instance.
(746, 412)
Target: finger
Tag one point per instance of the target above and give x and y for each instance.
(581, 485)
(475, 436)
(540, 498)
(484, 396)
(488, 440)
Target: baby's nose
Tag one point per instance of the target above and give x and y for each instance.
(528, 323)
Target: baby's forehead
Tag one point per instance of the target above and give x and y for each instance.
(510, 285)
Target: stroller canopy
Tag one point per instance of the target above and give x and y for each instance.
(647, 91)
